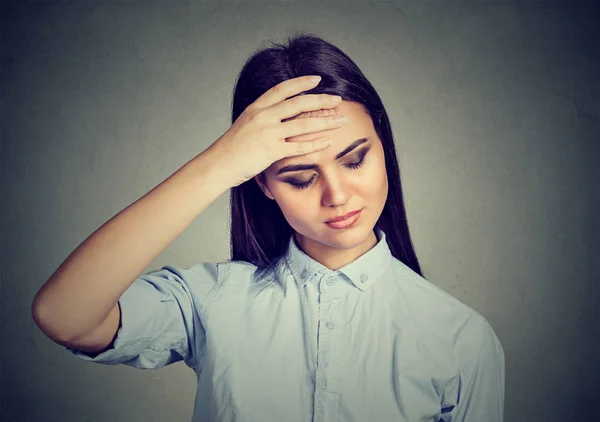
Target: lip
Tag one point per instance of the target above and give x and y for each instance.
(343, 217)
(342, 224)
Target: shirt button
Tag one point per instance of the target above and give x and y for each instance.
(304, 274)
(363, 278)
(330, 325)
(323, 384)
(330, 281)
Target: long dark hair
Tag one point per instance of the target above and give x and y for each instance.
(259, 231)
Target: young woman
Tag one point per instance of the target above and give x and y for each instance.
(322, 314)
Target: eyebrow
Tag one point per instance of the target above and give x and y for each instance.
(298, 167)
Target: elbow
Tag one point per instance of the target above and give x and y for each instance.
(42, 316)
(36, 311)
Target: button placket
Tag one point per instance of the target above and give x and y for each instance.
(331, 292)
(330, 282)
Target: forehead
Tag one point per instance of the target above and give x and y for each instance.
(360, 125)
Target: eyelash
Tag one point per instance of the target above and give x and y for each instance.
(352, 166)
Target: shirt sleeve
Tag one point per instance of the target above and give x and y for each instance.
(160, 319)
(481, 391)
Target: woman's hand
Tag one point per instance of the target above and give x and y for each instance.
(258, 137)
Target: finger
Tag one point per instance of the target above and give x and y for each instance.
(302, 104)
(285, 89)
(314, 113)
(307, 137)
(310, 125)
(292, 149)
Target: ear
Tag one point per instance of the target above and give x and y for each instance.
(262, 184)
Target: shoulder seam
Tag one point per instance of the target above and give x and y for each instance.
(212, 292)
(203, 309)
(463, 347)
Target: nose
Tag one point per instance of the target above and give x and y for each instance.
(335, 191)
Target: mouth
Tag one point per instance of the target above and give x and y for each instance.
(349, 220)
(343, 217)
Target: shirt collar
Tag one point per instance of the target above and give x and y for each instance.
(362, 272)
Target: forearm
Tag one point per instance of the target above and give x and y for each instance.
(87, 285)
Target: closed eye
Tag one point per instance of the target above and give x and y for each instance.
(298, 184)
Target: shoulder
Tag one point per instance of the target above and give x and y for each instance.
(444, 322)
(224, 271)
(429, 295)
(232, 274)
(437, 310)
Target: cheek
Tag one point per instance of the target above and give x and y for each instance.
(383, 177)
(293, 205)
(374, 179)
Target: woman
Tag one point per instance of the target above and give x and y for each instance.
(322, 313)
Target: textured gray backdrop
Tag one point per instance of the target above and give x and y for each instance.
(495, 109)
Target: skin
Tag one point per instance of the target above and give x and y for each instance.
(335, 190)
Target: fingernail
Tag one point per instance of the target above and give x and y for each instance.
(314, 78)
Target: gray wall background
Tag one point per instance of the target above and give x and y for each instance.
(495, 110)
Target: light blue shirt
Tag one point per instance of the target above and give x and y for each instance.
(372, 341)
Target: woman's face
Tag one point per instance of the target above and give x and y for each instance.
(336, 186)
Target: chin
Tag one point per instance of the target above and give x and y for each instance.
(346, 238)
